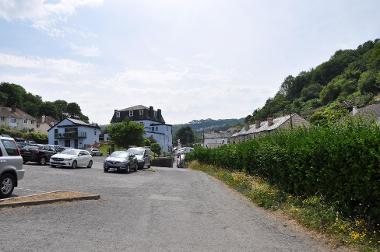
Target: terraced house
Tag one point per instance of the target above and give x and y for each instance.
(270, 125)
(15, 118)
(153, 121)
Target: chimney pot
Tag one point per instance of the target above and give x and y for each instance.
(257, 124)
(246, 126)
(270, 121)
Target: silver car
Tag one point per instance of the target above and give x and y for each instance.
(121, 161)
(11, 169)
(142, 155)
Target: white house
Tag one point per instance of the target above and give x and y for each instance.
(154, 124)
(215, 139)
(15, 118)
(74, 133)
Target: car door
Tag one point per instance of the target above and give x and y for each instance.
(81, 159)
(146, 157)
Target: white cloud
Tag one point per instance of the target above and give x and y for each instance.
(58, 66)
(44, 15)
(87, 51)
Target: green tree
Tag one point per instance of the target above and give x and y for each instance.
(14, 92)
(368, 83)
(186, 135)
(329, 114)
(126, 133)
(73, 109)
(48, 109)
(156, 149)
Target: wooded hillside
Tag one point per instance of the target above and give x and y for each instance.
(327, 92)
(15, 95)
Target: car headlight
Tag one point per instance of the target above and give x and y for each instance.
(68, 159)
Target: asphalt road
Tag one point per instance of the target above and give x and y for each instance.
(167, 209)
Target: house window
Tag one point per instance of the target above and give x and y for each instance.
(152, 128)
(117, 114)
(55, 131)
(25, 121)
(32, 122)
(156, 128)
(2, 118)
(141, 112)
(13, 120)
(130, 112)
(95, 132)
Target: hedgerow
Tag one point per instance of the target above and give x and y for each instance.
(340, 163)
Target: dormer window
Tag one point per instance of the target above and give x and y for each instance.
(117, 114)
(130, 112)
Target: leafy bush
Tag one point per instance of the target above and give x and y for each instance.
(339, 162)
(38, 137)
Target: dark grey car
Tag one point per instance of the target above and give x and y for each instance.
(11, 169)
(121, 161)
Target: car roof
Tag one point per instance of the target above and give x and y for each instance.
(6, 138)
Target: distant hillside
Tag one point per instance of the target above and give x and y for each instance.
(13, 95)
(208, 125)
(327, 92)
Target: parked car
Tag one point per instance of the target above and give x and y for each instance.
(143, 156)
(72, 158)
(95, 152)
(11, 169)
(121, 161)
(37, 153)
(184, 150)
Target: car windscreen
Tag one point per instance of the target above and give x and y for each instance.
(136, 151)
(119, 154)
(70, 152)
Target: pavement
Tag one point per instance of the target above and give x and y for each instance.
(159, 209)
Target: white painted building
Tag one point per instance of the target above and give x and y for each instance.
(74, 133)
(215, 139)
(154, 124)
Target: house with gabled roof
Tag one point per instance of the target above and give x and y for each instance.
(74, 133)
(16, 118)
(153, 121)
(270, 125)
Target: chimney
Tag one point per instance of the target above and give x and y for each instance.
(151, 114)
(158, 113)
(257, 124)
(270, 121)
(354, 110)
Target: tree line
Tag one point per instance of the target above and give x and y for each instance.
(326, 93)
(13, 95)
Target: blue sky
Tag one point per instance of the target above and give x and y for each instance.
(192, 58)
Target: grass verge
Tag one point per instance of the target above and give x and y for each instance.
(311, 212)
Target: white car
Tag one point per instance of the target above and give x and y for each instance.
(184, 150)
(72, 158)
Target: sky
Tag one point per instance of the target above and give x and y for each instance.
(193, 59)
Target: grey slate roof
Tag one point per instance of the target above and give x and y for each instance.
(370, 110)
(137, 107)
(16, 113)
(213, 135)
(277, 122)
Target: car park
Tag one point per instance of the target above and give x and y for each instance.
(72, 158)
(143, 156)
(11, 166)
(38, 153)
(121, 161)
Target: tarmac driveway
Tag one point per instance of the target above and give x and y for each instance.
(167, 209)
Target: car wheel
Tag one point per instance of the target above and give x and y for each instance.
(74, 164)
(128, 168)
(105, 170)
(43, 161)
(89, 164)
(148, 166)
(136, 167)
(7, 184)
(52, 166)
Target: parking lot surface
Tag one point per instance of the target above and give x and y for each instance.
(160, 209)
